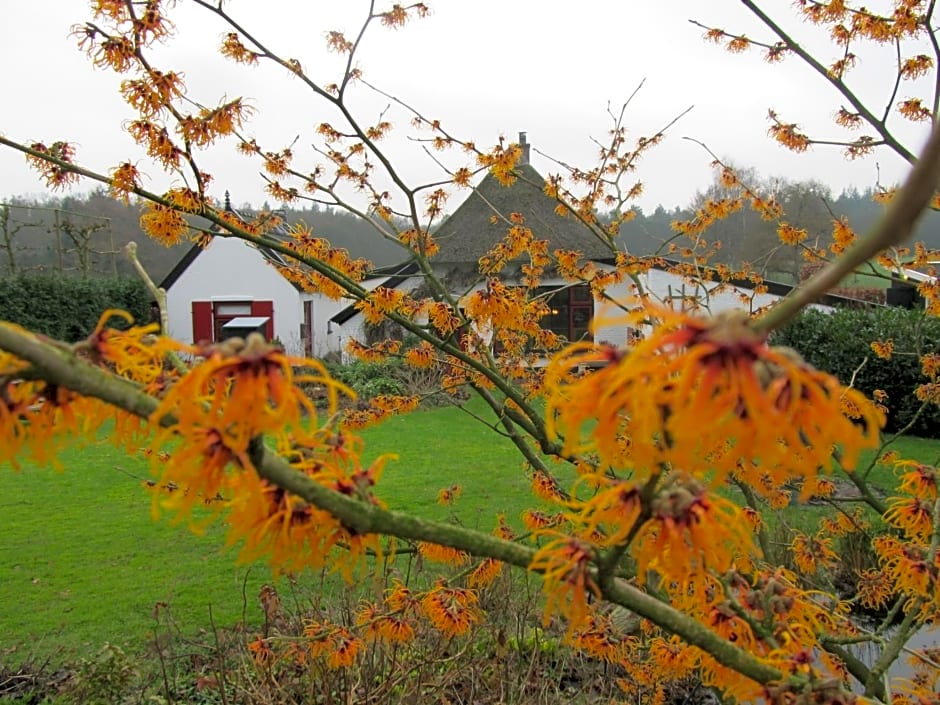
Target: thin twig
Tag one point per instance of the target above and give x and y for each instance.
(895, 227)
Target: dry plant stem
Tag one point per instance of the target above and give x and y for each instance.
(159, 295)
(61, 367)
(894, 228)
(220, 665)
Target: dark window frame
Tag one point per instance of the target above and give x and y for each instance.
(220, 319)
(572, 311)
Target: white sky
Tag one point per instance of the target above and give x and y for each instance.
(482, 67)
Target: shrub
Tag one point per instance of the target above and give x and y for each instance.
(370, 379)
(840, 343)
(67, 308)
(105, 678)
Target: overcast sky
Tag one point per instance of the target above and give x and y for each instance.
(485, 68)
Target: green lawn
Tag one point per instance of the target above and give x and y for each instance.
(443, 447)
(83, 563)
(871, 275)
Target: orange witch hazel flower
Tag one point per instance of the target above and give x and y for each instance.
(452, 610)
(442, 554)
(913, 511)
(244, 388)
(293, 535)
(137, 353)
(289, 532)
(335, 643)
(38, 419)
(690, 531)
(198, 466)
(388, 627)
(566, 578)
(703, 394)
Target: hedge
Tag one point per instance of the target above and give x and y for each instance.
(840, 342)
(370, 379)
(68, 308)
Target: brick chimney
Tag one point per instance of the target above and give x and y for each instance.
(525, 149)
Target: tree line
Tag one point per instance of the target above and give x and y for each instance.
(744, 238)
(84, 234)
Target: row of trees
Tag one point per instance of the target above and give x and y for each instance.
(654, 433)
(748, 239)
(84, 234)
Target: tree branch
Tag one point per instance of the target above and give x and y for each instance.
(895, 227)
(64, 368)
(836, 82)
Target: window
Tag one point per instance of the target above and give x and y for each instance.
(225, 311)
(210, 316)
(572, 309)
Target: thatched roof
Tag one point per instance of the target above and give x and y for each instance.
(469, 232)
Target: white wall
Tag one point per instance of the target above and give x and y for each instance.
(661, 286)
(664, 287)
(231, 269)
(326, 339)
(332, 337)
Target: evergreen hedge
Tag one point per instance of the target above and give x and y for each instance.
(839, 342)
(68, 308)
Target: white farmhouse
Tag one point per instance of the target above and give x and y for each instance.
(213, 289)
(229, 286)
(480, 222)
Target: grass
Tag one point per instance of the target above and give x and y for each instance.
(444, 447)
(83, 563)
(873, 275)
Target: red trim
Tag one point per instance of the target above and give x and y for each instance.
(202, 322)
(265, 308)
(208, 322)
